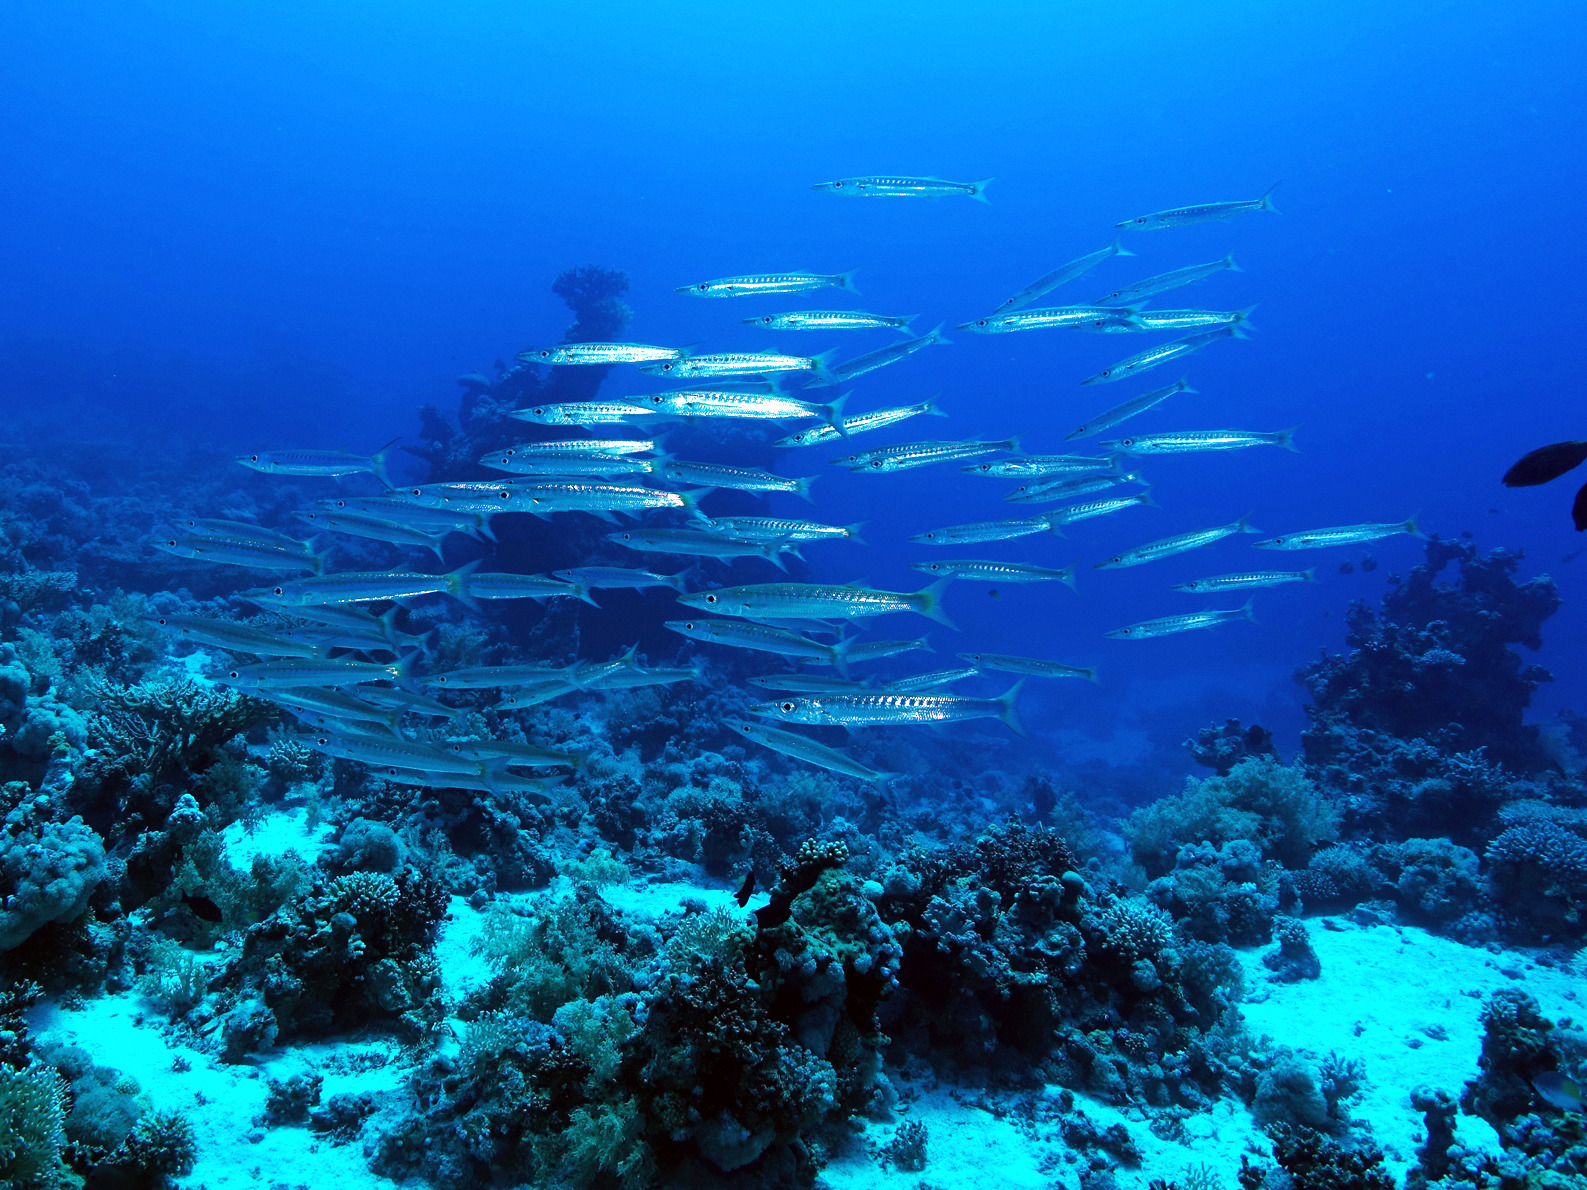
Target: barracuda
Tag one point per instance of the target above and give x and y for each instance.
(799, 747)
(1207, 212)
(882, 709)
(1241, 580)
(402, 754)
(583, 446)
(888, 186)
(620, 577)
(1033, 667)
(289, 672)
(764, 638)
(1187, 441)
(497, 585)
(875, 650)
(740, 363)
(980, 531)
(1052, 490)
(1039, 466)
(1169, 625)
(818, 601)
(254, 555)
(551, 496)
(1165, 353)
(880, 358)
(936, 680)
(355, 524)
(243, 531)
(770, 283)
(739, 479)
(488, 677)
(860, 423)
(580, 413)
(238, 638)
(1100, 319)
(1189, 320)
(1064, 274)
(832, 320)
(1167, 547)
(1311, 539)
(805, 683)
(1163, 282)
(731, 403)
(699, 544)
(355, 586)
(921, 454)
(1085, 511)
(452, 519)
(567, 465)
(760, 528)
(319, 462)
(596, 354)
(1128, 409)
(979, 570)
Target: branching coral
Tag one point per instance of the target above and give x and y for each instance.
(155, 727)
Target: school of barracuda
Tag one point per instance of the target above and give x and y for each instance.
(332, 672)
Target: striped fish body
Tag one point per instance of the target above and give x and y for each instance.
(243, 531)
(497, 585)
(1064, 274)
(734, 363)
(860, 423)
(567, 465)
(617, 577)
(880, 708)
(920, 454)
(921, 683)
(251, 554)
(1051, 490)
(979, 570)
(1088, 509)
(896, 186)
(1163, 282)
(1207, 212)
(580, 413)
(731, 403)
(1187, 441)
(595, 354)
(1102, 319)
(768, 283)
(815, 601)
(225, 634)
(1243, 580)
(1029, 666)
(1163, 353)
(980, 531)
(1038, 466)
(763, 637)
(402, 754)
(364, 587)
(880, 358)
(1128, 409)
(570, 447)
(761, 528)
(1313, 539)
(1168, 547)
(810, 751)
(1171, 625)
(291, 672)
(574, 496)
(741, 479)
(1189, 320)
(830, 320)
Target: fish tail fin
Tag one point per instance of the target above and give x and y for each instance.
(318, 559)
(840, 655)
(691, 499)
(1265, 203)
(929, 602)
(1247, 610)
(1146, 497)
(1055, 526)
(882, 780)
(978, 190)
(482, 526)
(581, 590)
(903, 325)
(404, 667)
(1011, 443)
(377, 462)
(1090, 673)
(1413, 528)
(936, 335)
(457, 584)
(1067, 576)
(1245, 526)
(1308, 576)
(1286, 439)
(436, 541)
(930, 406)
(832, 411)
(803, 488)
(1118, 246)
(1183, 383)
(823, 365)
(1228, 263)
(846, 280)
(1242, 317)
(772, 552)
(1008, 703)
(853, 532)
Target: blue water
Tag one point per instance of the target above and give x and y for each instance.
(287, 224)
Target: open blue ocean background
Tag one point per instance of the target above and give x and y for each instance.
(288, 224)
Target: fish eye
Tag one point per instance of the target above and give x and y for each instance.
(1142, 219)
(1118, 557)
(253, 458)
(837, 185)
(657, 399)
(1127, 442)
(703, 285)
(234, 675)
(1280, 540)
(787, 706)
(710, 598)
(540, 412)
(170, 541)
(279, 590)
(980, 322)
(876, 462)
(766, 319)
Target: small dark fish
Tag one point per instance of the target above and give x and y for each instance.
(1546, 463)
(1558, 1090)
(994, 593)
(1347, 568)
(745, 890)
(203, 908)
(1369, 563)
(1578, 510)
(771, 916)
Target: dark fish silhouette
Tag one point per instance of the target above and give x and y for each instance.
(745, 890)
(1369, 563)
(1347, 568)
(203, 908)
(1578, 510)
(1546, 463)
(1560, 1091)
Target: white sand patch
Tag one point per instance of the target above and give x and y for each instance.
(654, 900)
(276, 834)
(222, 1102)
(462, 971)
(1405, 1003)
(965, 1147)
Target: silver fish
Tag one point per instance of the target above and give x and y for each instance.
(741, 363)
(1030, 666)
(805, 683)
(1043, 491)
(900, 187)
(1163, 353)
(356, 524)
(1128, 409)
(818, 601)
(331, 705)
(583, 446)
(1207, 212)
(567, 465)
(255, 555)
(243, 531)
(511, 752)
(609, 577)
(936, 680)
(600, 354)
(363, 587)
(1085, 510)
(409, 702)
(1189, 320)
(766, 283)
(631, 679)
(875, 650)
(832, 320)
(799, 747)
(701, 545)
(238, 638)
(858, 424)
(1181, 543)
(1163, 282)
(979, 531)
(552, 496)
(580, 413)
(416, 516)
(484, 585)
(881, 357)
(980, 570)
(319, 462)
(1039, 466)
(881, 709)
(402, 754)
(921, 454)
(746, 405)
(490, 677)
(1244, 579)
(1169, 625)
(740, 479)
(762, 528)
(1102, 319)
(1184, 441)
(290, 672)
(1064, 274)
(1312, 539)
(764, 638)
